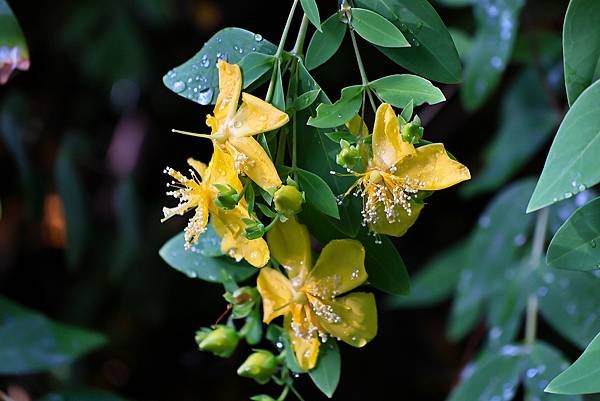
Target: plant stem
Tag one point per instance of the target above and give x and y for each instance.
(298, 46)
(284, 393)
(361, 67)
(537, 249)
(294, 146)
(284, 34)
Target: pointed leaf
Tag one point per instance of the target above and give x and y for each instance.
(326, 375)
(376, 29)
(325, 44)
(312, 12)
(401, 89)
(255, 66)
(333, 115)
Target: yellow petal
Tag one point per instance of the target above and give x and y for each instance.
(339, 269)
(432, 168)
(229, 226)
(351, 318)
(230, 86)
(252, 160)
(357, 126)
(304, 341)
(198, 166)
(276, 293)
(388, 147)
(290, 246)
(256, 116)
(221, 170)
(402, 220)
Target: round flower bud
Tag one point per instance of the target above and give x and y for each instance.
(348, 157)
(288, 200)
(412, 132)
(260, 366)
(222, 341)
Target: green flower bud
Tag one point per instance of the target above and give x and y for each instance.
(412, 132)
(260, 366)
(348, 156)
(262, 397)
(254, 229)
(221, 341)
(227, 198)
(288, 200)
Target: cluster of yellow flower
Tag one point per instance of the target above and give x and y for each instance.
(312, 299)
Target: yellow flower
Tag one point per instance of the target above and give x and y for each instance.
(233, 127)
(310, 298)
(199, 193)
(397, 171)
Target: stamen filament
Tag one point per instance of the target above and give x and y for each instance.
(193, 134)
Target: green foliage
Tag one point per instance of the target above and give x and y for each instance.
(198, 80)
(526, 121)
(326, 375)
(324, 44)
(11, 35)
(31, 343)
(581, 46)
(312, 12)
(376, 29)
(204, 260)
(399, 90)
(385, 266)
(255, 66)
(431, 52)
(336, 114)
(497, 23)
(583, 377)
(571, 164)
(574, 245)
(318, 193)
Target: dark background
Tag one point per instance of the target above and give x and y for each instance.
(95, 86)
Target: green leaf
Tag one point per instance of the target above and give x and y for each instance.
(493, 374)
(72, 193)
(526, 121)
(201, 261)
(497, 22)
(572, 163)
(278, 93)
(376, 29)
(12, 41)
(333, 115)
(407, 111)
(304, 100)
(83, 395)
(198, 78)
(384, 265)
(336, 136)
(312, 12)
(325, 44)
(255, 66)
(568, 303)
(401, 89)
(544, 363)
(31, 343)
(575, 245)
(318, 193)
(326, 374)
(455, 3)
(583, 376)
(581, 46)
(462, 42)
(432, 53)
(435, 282)
(495, 247)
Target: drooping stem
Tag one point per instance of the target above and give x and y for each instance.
(299, 45)
(284, 393)
(284, 34)
(537, 250)
(361, 67)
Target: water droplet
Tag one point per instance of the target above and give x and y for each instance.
(205, 96)
(520, 239)
(179, 86)
(484, 221)
(258, 37)
(495, 333)
(339, 116)
(571, 308)
(205, 61)
(532, 372)
(237, 124)
(542, 291)
(496, 62)
(568, 195)
(581, 188)
(593, 243)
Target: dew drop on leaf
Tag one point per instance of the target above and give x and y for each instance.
(179, 86)
(205, 96)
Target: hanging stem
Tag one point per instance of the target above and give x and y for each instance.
(361, 66)
(284, 35)
(299, 45)
(284, 393)
(539, 238)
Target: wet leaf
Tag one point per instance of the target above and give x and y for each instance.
(325, 44)
(326, 374)
(401, 89)
(336, 114)
(376, 29)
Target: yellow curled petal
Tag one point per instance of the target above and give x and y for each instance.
(256, 116)
(388, 146)
(221, 170)
(304, 340)
(432, 168)
(198, 166)
(230, 86)
(252, 160)
(290, 246)
(339, 269)
(402, 220)
(276, 293)
(351, 318)
(357, 126)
